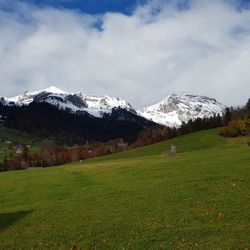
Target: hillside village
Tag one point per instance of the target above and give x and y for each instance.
(14, 143)
(12, 147)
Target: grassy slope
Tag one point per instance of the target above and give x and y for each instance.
(134, 200)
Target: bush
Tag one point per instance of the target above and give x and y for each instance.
(235, 128)
(228, 132)
(239, 125)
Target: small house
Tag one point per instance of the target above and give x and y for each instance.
(19, 151)
(123, 145)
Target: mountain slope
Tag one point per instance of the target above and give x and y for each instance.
(178, 108)
(47, 121)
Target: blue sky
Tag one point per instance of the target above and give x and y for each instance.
(126, 7)
(101, 6)
(92, 6)
(144, 50)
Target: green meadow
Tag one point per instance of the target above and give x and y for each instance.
(198, 199)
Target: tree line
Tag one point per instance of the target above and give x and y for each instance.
(51, 154)
(160, 133)
(237, 121)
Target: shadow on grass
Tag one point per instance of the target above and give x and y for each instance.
(8, 219)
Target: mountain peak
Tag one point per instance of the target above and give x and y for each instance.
(75, 102)
(54, 90)
(177, 108)
(189, 97)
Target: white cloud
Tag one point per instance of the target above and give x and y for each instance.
(144, 57)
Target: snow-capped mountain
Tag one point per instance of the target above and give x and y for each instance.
(94, 105)
(171, 111)
(72, 118)
(178, 108)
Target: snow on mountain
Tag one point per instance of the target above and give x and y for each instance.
(29, 96)
(171, 111)
(178, 108)
(94, 105)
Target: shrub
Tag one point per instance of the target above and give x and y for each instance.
(235, 128)
(239, 125)
(228, 132)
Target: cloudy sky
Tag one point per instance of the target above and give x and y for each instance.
(138, 50)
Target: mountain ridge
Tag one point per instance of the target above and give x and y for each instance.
(171, 111)
(75, 102)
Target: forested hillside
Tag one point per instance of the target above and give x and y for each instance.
(46, 121)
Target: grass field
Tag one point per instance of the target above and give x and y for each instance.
(199, 199)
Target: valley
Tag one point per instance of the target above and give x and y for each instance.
(124, 125)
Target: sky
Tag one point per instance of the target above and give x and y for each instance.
(139, 50)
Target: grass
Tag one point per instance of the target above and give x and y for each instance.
(199, 199)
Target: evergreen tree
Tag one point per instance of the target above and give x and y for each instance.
(5, 164)
(25, 153)
(227, 116)
(248, 106)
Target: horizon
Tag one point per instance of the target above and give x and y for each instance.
(130, 49)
